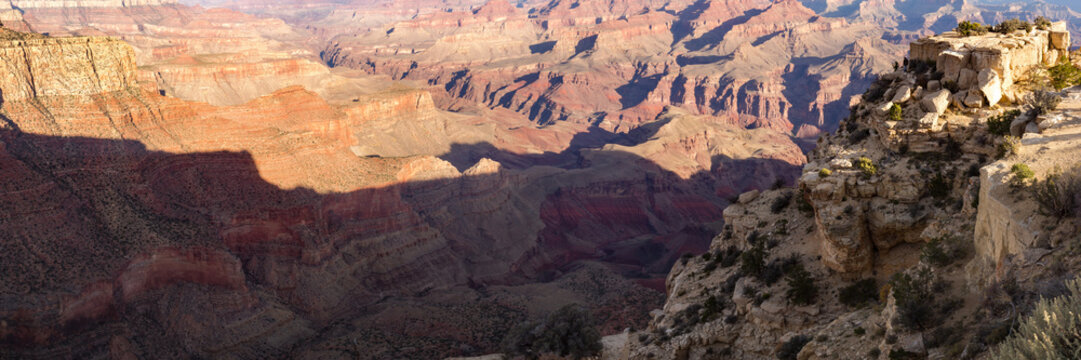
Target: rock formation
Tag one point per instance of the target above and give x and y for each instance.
(915, 195)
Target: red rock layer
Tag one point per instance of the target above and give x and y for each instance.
(141, 221)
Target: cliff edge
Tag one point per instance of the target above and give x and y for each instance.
(920, 229)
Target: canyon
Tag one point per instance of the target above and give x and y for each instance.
(286, 212)
(384, 179)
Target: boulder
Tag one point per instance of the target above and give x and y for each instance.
(1060, 40)
(1047, 121)
(934, 85)
(968, 79)
(974, 99)
(1032, 128)
(902, 95)
(912, 343)
(885, 108)
(840, 163)
(936, 102)
(950, 64)
(991, 86)
(748, 196)
(929, 120)
(1017, 127)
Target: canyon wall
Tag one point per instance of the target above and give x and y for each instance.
(263, 225)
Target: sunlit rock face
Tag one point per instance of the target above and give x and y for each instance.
(619, 64)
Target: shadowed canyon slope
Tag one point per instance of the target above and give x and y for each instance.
(269, 227)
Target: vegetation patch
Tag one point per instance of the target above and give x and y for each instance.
(1064, 75)
(801, 286)
(970, 28)
(859, 294)
(895, 112)
(1042, 101)
(914, 294)
(866, 166)
(1012, 25)
(1022, 175)
(791, 348)
(568, 332)
(1050, 332)
(1059, 194)
(1000, 124)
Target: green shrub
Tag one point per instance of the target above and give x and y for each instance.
(939, 186)
(1000, 124)
(901, 354)
(914, 294)
(866, 166)
(859, 294)
(1011, 25)
(935, 253)
(1021, 175)
(711, 308)
(1051, 332)
(969, 28)
(568, 332)
(1042, 101)
(1010, 146)
(753, 261)
(801, 286)
(791, 348)
(1064, 75)
(1042, 23)
(895, 112)
(1058, 194)
(824, 172)
(803, 205)
(781, 202)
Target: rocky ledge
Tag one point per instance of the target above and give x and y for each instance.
(912, 232)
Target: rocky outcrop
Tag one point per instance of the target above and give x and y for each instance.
(883, 202)
(886, 203)
(40, 66)
(991, 64)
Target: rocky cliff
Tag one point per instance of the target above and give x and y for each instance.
(42, 66)
(910, 233)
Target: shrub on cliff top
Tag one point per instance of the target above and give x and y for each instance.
(568, 332)
(1042, 101)
(1064, 75)
(1059, 194)
(1042, 23)
(866, 166)
(969, 28)
(1021, 175)
(895, 112)
(1011, 25)
(1052, 331)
